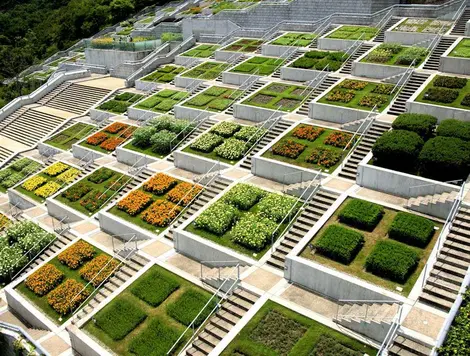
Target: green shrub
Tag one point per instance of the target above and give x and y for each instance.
(450, 82)
(231, 149)
(440, 95)
(125, 96)
(12, 180)
(20, 164)
(162, 141)
(142, 136)
(251, 133)
(207, 142)
(253, 231)
(163, 122)
(276, 206)
(226, 129)
(101, 175)
(108, 105)
(169, 36)
(361, 214)
(154, 287)
(150, 102)
(397, 149)
(166, 93)
(454, 128)
(200, 100)
(391, 47)
(244, 196)
(215, 91)
(329, 346)
(306, 63)
(245, 68)
(217, 219)
(220, 104)
(339, 243)
(5, 173)
(392, 260)
(422, 124)
(411, 229)
(119, 318)
(165, 105)
(445, 158)
(188, 306)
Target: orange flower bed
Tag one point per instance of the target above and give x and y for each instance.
(99, 265)
(135, 202)
(97, 138)
(161, 213)
(308, 132)
(111, 143)
(288, 148)
(76, 254)
(44, 279)
(115, 127)
(67, 297)
(183, 194)
(338, 139)
(129, 132)
(160, 183)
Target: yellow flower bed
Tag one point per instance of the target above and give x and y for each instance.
(33, 183)
(56, 169)
(47, 189)
(68, 176)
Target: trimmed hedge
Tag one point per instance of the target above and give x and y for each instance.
(454, 128)
(154, 288)
(361, 214)
(329, 346)
(445, 158)
(340, 244)
(188, 306)
(411, 229)
(397, 149)
(392, 260)
(119, 318)
(423, 125)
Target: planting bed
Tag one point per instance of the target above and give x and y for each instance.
(457, 338)
(57, 287)
(353, 33)
(462, 50)
(296, 39)
(311, 147)
(245, 219)
(16, 172)
(156, 204)
(216, 99)
(207, 70)
(277, 330)
(318, 60)
(150, 315)
(120, 103)
(245, 45)
(423, 26)
(258, 66)
(48, 182)
(227, 142)
(201, 51)
(278, 96)
(377, 244)
(164, 74)
(106, 140)
(91, 193)
(66, 138)
(397, 55)
(162, 101)
(447, 91)
(358, 94)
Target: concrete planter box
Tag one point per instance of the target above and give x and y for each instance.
(281, 172)
(409, 38)
(332, 44)
(441, 112)
(454, 65)
(224, 56)
(333, 113)
(19, 200)
(253, 113)
(47, 150)
(183, 112)
(300, 74)
(195, 163)
(81, 152)
(111, 58)
(237, 78)
(61, 211)
(114, 225)
(377, 71)
(146, 86)
(467, 28)
(140, 114)
(100, 114)
(276, 51)
(184, 82)
(132, 158)
(184, 61)
(84, 344)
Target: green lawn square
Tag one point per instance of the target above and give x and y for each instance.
(187, 307)
(154, 287)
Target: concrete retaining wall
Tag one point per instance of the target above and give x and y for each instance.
(194, 163)
(112, 58)
(467, 28)
(409, 38)
(184, 61)
(253, 113)
(132, 158)
(83, 344)
(83, 152)
(183, 112)
(276, 51)
(141, 115)
(300, 74)
(332, 113)
(27, 312)
(100, 114)
(115, 226)
(146, 86)
(332, 44)
(281, 172)
(184, 82)
(441, 112)
(454, 65)
(377, 71)
(19, 200)
(46, 150)
(237, 78)
(224, 56)
(60, 211)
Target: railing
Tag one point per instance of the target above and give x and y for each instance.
(14, 210)
(435, 185)
(274, 121)
(38, 348)
(391, 333)
(196, 122)
(382, 23)
(367, 303)
(353, 48)
(60, 230)
(403, 80)
(219, 265)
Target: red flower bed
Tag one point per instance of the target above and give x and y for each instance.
(135, 202)
(95, 200)
(67, 297)
(160, 183)
(111, 143)
(117, 183)
(76, 191)
(308, 132)
(128, 132)
(102, 264)
(161, 213)
(97, 138)
(76, 254)
(183, 193)
(288, 148)
(115, 127)
(324, 157)
(338, 139)
(44, 279)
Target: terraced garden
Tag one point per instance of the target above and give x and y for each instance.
(16, 172)
(319, 60)
(201, 51)
(119, 103)
(396, 55)
(207, 70)
(423, 25)
(112, 136)
(258, 65)
(162, 101)
(277, 96)
(447, 91)
(66, 138)
(216, 99)
(354, 33)
(462, 50)
(164, 74)
(296, 39)
(246, 45)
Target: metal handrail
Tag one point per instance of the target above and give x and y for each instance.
(382, 23)
(354, 47)
(405, 77)
(391, 333)
(275, 120)
(455, 181)
(38, 348)
(192, 122)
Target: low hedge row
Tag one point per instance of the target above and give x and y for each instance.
(339, 243)
(411, 229)
(361, 214)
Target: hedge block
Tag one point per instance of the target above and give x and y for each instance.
(188, 306)
(411, 229)
(153, 288)
(361, 214)
(340, 244)
(423, 125)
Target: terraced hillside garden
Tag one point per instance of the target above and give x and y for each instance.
(277, 330)
(258, 66)
(119, 103)
(396, 55)
(227, 142)
(164, 74)
(112, 136)
(216, 99)
(312, 147)
(246, 45)
(246, 219)
(277, 96)
(380, 245)
(162, 101)
(295, 39)
(423, 26)
(462, 49)
(62, 285)
(93, 192)
(16, 172)
(201, 51)
(48, 182)
(447, 91)
(157, 203)
(354, 33)
(321, 60)
(66, 138)
(359, 94)
(19, 244)
(207, 70)
(149, 316)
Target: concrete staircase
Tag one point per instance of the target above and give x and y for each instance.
(347, 67)
(349, 169)
(381, 35)
(453, 260)
(251, 89)
(433, 61)
(127, 270)
(292, 57)
(218, 185)
(405, 346)
(12, 117)
(312, 212)
(325, 84)
(415, 81)
(433, 204)
(4, 154)
(459, 27)
(219, 325)
(314, 43)
(31, 126)
(232, 63)
(270, 136)
(74, 98)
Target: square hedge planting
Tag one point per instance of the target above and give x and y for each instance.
(411, 229)
(297, 39)
(454, 128)
(462, 50)
(319, 60)
(17, 171)
(215, 99)
(154, 287)
(162, 101)
(66, 138)
(358, 94)
(112, 136)
(447, 91)
(277, 96)
(206, 70)
(164, 74)
(245, 45)
(354, 33)
(119, 103)
(339, 243)
(397, 55)
(258, 66)
(361, 214)
(201, 51)
(423, 25)
(188, 306)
